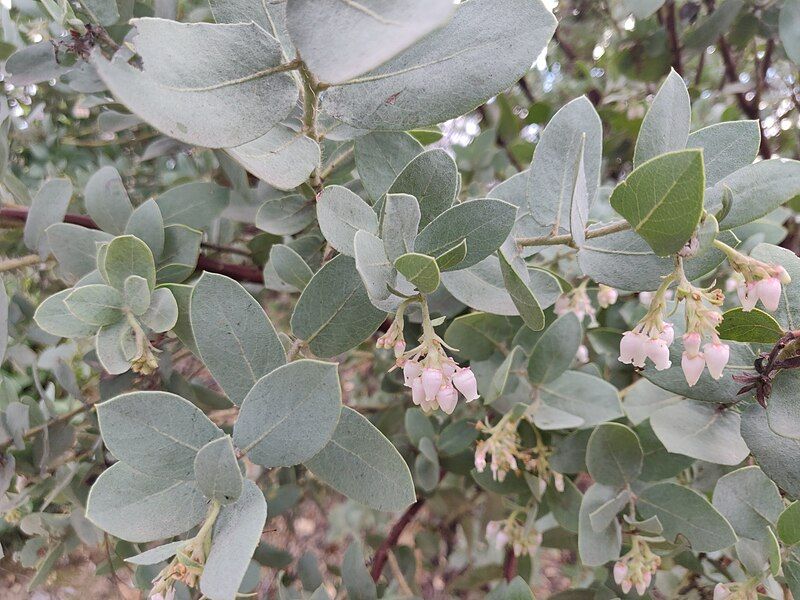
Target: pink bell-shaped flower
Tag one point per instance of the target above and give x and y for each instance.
(716, 355)
(748, 295)
(480, 459)
(631, 349)
(417, 391)
(641, 587)
(465, 382)
(769, 291)
(626, 586)
(692, 367)
(411, 370)
(431, 382)
(447, 399)
(658, 351)
(620, 572)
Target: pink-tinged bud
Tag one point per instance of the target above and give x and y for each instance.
(417, 391)
(399, 348)
(431, 382)
(411, 370)
(658, 351)
(648, 578)
(641, 587)
(501, 540)
(558, 482)
(646, 298)
(769, 291)
(606, 296)
(717, 356)
(691, 343)
(721, 592)
(667, 334)
(561, 306)
(465, 382)
(582, 355)
(620, 572)
(692, 367)
(631, 349)
(626, 586)
(747, 295)
(492, 529)
(447, 399)
(782, 275)
(731, 283)
(480, 459)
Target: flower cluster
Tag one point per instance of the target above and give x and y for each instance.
(187, 565)
(651, 338)
(505, 447)
(637, 567)
(755, 280)
(434, 377)
(606, 296)
(735, 591)
(702, 319)
(524, 539)
(577, 301)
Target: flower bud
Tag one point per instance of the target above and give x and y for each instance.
(447, 397)
(626, 586)
(721, 592)
(606, 296)
(641, 587)
(399, 348)
(658, 351)
(431, 382)
(620, 571)
(716, 356)
(782, 275)
(692, 367)
(582, 355)
(480, 459)
(631, 349)
(417, 391)
(648, 578)
(769, 291)
(465, 382)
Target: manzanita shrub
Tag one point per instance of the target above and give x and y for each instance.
(266, 276)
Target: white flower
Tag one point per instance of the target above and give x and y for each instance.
(658, 351)
(465, 382)
(716, 355)
(769, 292)
(692, 367)
(632, 349)
(721, 592)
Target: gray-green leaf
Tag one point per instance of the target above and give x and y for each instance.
(290, 414)
(217, 471)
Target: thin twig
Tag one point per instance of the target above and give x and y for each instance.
(60, 419)
(510, 564)
(238, 272)
(11, 264)
(554, 240)
(381, 555)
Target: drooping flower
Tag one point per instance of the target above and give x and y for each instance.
(465, 382)
(716, 355)
(523, 538)
(576, 301)
(637, 567)
(692, 367)
(632, 349)
(757, 280)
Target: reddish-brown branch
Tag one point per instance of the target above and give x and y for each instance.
(238, 272)
(671, 25)
(510, 564)
(379, 560)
